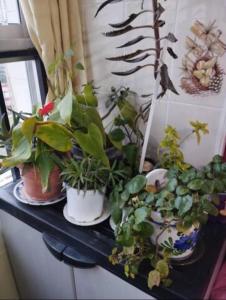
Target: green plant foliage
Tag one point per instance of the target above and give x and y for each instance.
(87, 97)
(91, 174)
(198, 129)
(21, 149)
(136, 184)
(54, 135)
(170, 154)
(92, 143)
(65, 105)
(188, 198)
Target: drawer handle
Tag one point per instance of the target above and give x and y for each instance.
(76, 259)
(55, 246)
(67, 254)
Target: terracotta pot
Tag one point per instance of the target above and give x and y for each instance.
(33, 187)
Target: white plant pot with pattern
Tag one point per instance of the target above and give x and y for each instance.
(166, 236)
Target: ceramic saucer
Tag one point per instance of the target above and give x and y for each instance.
(19, 194)
(103, 217)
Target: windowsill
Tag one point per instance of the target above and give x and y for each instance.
(189, 282)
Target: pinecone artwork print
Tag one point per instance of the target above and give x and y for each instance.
(202, 72)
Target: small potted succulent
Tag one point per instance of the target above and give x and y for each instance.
(158, 216)
(86, 183)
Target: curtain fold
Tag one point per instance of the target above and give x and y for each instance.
(54, 27)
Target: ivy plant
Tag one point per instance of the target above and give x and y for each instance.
(188, 197)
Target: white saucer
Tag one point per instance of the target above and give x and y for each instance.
(112, 224)
(19, 194)
(103, 217)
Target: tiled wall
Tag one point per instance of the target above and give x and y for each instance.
(173, 109)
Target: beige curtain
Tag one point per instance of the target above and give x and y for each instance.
(54, 27)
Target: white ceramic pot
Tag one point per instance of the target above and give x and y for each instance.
(181, 244)
(84, 206)
(157, 175)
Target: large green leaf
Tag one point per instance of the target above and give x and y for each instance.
(83, 115)
(45, 165)
(182, 190)
(21, 149)
(28, 127)
(172, 184)
(88, 97)
(141, 214)
(65, 105)
(195, 184)
(130, 151)
(183, 204)
(117, 134)
(54, 135)
(92, 143)
(136, 184)
(128, 112)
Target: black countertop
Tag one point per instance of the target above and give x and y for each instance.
(189, 282)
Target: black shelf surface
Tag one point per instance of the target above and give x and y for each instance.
(189, 282)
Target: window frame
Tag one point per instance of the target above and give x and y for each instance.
(23, 55)
(15, 36)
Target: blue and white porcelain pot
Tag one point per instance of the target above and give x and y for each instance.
(180, 244)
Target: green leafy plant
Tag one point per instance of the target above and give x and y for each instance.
(34, 141)
(133, 232)
(188, 198)
(170, 154)
(91, 174)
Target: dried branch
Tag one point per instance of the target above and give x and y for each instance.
(134, 70)
(131, 18)
(105, 4)
(157, 37)
(138, 59)
(130, 55)
(128, 28)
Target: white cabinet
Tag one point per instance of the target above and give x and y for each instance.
(38, 274)
(97, 283)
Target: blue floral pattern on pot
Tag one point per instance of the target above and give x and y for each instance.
(186, 242)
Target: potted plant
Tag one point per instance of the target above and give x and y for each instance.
(86, 183)
(34, 145)
(159, 216)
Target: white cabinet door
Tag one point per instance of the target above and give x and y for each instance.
(97, 283)
(38, 274)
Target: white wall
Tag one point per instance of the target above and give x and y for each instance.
(173, 109)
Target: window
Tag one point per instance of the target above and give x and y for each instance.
(9, 12)
(22, 75)
(13, 30)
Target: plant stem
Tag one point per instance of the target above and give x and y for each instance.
(109, 112)
(157, 239)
